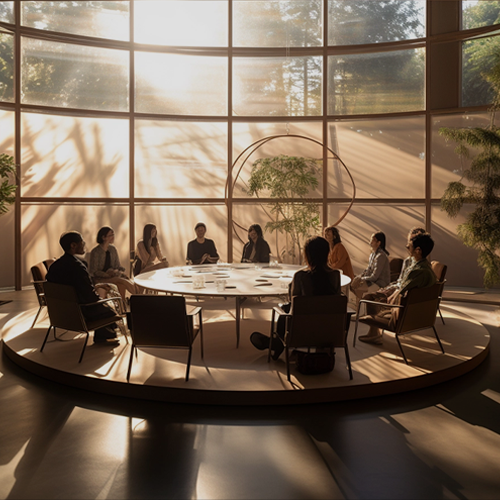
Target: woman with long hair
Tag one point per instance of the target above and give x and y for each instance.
(104, 263)
(149, 252)
(338, 257)
(318, 279)
(378, 272)
(257, 248)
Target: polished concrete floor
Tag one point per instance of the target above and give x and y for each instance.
(440, 442)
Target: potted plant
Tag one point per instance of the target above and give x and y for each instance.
(288, 180)
(481, 230)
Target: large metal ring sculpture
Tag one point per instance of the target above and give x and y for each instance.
(255, 146)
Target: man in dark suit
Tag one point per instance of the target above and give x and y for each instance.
(69, 270)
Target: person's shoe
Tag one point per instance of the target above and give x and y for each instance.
(371, 339)
(111, 342)
(259, 341)
(277, 348)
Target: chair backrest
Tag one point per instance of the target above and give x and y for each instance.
(38, 273)
(62, 305)
(48, 262)
(318, 321)
(159, 320)
(420, 306)
(439, 270)
(395, 265)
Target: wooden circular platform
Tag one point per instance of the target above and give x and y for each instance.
(231, 376)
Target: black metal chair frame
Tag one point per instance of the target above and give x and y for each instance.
(399, 328)
(289, 331)
(81, 325)
(190, 330)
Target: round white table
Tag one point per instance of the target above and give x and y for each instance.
(241, 281)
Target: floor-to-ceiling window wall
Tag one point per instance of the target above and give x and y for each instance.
(124, 112)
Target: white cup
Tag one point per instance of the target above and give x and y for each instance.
(199, 281)
(220, 285)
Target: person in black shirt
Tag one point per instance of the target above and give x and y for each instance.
(201, 250)
(256, 249)
(69, 270)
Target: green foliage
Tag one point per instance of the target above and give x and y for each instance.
(7, 190)
(481, 230)
(286, 178)
(479, 56)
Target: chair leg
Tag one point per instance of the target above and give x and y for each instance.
(348, 359)
(287, 355)
(188, 363)
(439, 310)
(401, 348)
(201, 334)
(355, 333)
(84, 346)
(439, 340)
(271, 334)
(36, 317)
(132, 349)
(46, 337)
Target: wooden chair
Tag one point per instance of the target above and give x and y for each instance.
(38, 273)
(65, 312)
(440, 272)
(317, 321)
(417, 311)
(395, 265)
(162, 321)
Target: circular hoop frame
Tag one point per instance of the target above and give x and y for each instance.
(259, 143)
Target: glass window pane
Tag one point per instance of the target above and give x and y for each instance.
(7, 220)
(281, 244)
(480, 13)
(463, 269)
(6, 132)
(367, 21)
(178, 84)
(277, 86)
(7, 12)
(245, 134)
(386, 82)
(180, 159)
(42, 226)
(175, 224)
(66, 156)
(6, 67)
(447, 166)
(363, 220)
(107, 19)
(478, 58)
(278, 23)
(200, 23)
(386, 157)
(74, 76)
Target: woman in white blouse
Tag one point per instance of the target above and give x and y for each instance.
(104, 265)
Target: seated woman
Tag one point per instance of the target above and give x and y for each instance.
(256, 249)
(201, 250)
(148, 252)
(104, 264)
(338, 258)
(317, 279)
(378, 272)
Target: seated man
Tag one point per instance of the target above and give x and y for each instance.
(69, 270)
(382, 294)
(420, 275)
(201, 250)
